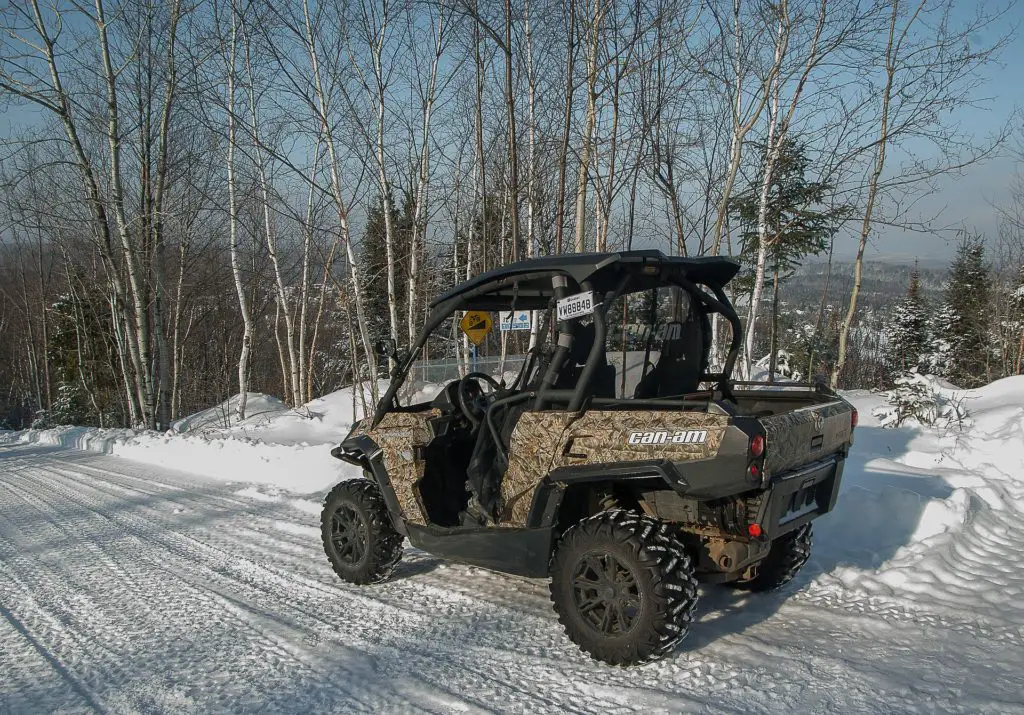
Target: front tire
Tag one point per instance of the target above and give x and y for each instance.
(359, 539)
(786, 557)
(623, 587)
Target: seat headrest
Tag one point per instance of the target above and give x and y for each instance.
(676, 339)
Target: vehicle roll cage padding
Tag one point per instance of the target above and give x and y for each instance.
(561, 282)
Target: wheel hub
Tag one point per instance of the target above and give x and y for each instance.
(606, 594)
(349, 534)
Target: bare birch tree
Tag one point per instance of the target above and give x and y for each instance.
(929, 69)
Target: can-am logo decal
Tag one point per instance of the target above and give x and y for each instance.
(690, 436)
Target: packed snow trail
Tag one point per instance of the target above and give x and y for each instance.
(127, 587)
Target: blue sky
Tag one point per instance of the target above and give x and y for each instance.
(969, 201)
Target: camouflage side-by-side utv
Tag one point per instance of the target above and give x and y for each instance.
(612, 462)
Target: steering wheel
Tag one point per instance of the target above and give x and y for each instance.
(474, 408)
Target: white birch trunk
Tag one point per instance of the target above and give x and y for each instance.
(378, 97)
(873, 181)
(139, 338)
(422, 193)
(588, 131)
(236, 268)
(778, 127)
(340, 203)
(773, 143)
(531, 168)
(270, 236)
(307, 237)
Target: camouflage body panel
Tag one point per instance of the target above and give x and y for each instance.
(396, 434)
(788, 436)
(532, 449)
(603, 437)
(561, 439)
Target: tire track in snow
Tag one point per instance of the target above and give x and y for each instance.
(441, 637)
(434, 601)
(441, 621)
(171, 593)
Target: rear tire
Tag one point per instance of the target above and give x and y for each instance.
(359, 539)
(623, 587)
(786, 557)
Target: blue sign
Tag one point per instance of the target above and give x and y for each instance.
(514, 320)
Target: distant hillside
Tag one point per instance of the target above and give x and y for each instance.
(882, 284)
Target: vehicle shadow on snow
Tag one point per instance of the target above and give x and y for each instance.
(879, 508)
(880, 504)
(414, 563)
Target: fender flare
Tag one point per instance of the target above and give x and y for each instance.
(363, 452)
(548, 497)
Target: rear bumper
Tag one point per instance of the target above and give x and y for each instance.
(799, 496)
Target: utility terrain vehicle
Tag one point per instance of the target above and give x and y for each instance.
(613, 463)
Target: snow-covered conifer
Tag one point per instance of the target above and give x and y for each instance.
(961, 344)
(906, 332)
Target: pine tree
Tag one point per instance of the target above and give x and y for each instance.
(801, 225)
(964, 322)
(79, 344)
(938, 359)
(373, 266)
(907, 331)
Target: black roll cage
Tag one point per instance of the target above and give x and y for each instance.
(560, 282)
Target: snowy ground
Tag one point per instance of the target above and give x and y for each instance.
(128, 586)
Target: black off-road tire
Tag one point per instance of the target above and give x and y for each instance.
(786, 557)
(359, 539)
(651, 600)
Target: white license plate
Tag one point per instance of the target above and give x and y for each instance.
(576, 306)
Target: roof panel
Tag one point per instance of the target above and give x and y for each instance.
(530, 280)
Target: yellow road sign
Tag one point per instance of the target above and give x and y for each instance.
(476, 324)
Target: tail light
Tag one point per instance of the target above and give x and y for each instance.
(853, 419)
(757, 444)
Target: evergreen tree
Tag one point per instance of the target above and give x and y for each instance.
(962, 326)
(373, 267)
(907, 331)
(799, 224)
(78, 349)
(938, 358)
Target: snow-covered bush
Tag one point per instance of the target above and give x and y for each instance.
(784, 369)
(920, 398)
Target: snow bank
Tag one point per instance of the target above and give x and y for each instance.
(924, 510)
(302, 468)
(259, 409)
(274, 445)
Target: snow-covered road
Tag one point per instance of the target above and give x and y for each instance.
(126, 587)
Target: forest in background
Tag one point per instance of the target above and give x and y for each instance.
(207, 198)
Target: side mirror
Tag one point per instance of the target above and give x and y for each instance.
(386, 348)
